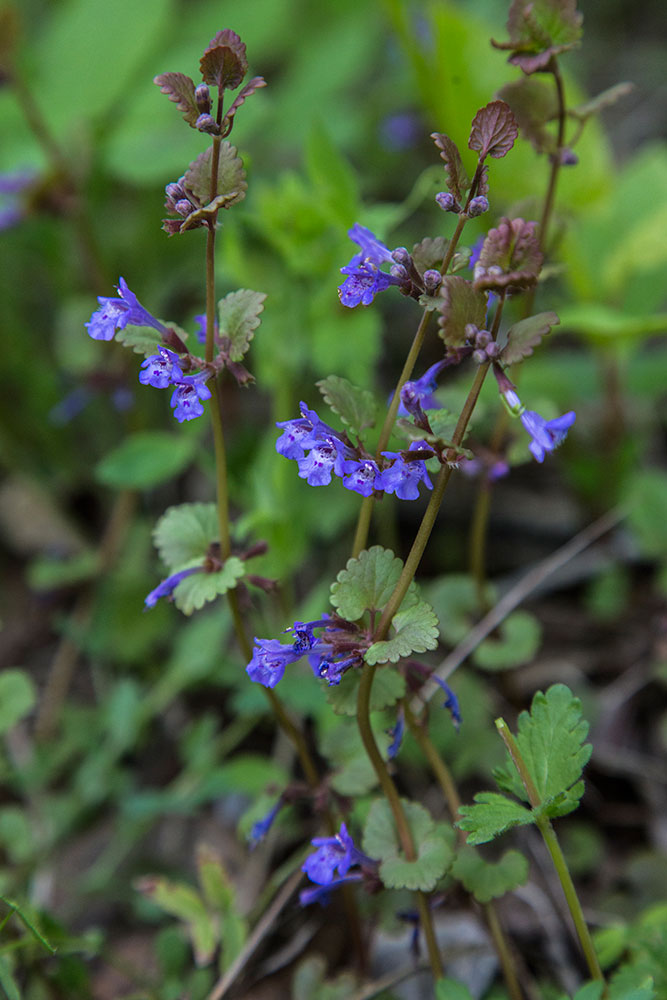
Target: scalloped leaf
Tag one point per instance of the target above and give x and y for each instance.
(145, 460)
(224, 62)
(533, 104)
(195, 591)
(525, 335)
(256, 83)
(489, 880)
(146, 339)
(180, 89)
(415, 630)
(238, 318)
(184, 533)
(388, 687)
(461, 303)
(356, 407)
(510, 256)
(366, 583)
(430, 253)
(492, 815)
(518, 642)
(458, 181)
(434, 844)
(539, 30)
(231, 175)
(494, 130)
(551, 741)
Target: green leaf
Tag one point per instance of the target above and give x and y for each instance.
(551, 741)
(430, 253)
(526, 335)
(215, 883)
(17, 697)
(48, 573)
(451, 989)
(388, 687)
(7, 981)
(589, 991)
(146, 459)
(519, 640)
(487, 880)
(461, 304)
(432, 841)
(415, 630)
(231, 175)
(183, 902)
(492, 815)
(533, 104)
(184, 533)
(603, 324)
(366, 583)
(647, 502)
(356, 407)
(238, 316)
(196, 590)
(142, 339)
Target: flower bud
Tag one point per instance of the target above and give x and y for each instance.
(478, 206)
(482, 339)
(402, 256)
(183, 207)
(398, 271)
(492, 350)
(203, 98)
(432, 280)
(446, 201)
(206, 123)
(568, 158)
(174, 191)
(479, 357)
(471, 332)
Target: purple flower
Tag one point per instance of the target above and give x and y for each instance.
(200, 332)
(116, 314)
(403, 478)
(546, 434)
(400, 131)
(186, 397)
(360, 476)
(260, 829)
(167, 587)
(13, 209)
(396, 733)
(365, 279)
(333, 854)
(476, 252)
(161, 370)
(269, 660)
(322, 893)
(304, 637)
(322, 461)
(329, 669)
(451, 702)
(418, 395)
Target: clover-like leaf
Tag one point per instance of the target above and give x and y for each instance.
(185, 533)
(238, 318)
(198, 589)
(224, 62)
(180, 89)
(460, 304)
(487, 880)
(430, 252)
(510, 256)
(356, 407)
(457, 178)
(415, 630)
(492, 815)
(184, 902)
(533, 104)
(526, 335)
(494, 130)
(518, 642)
(433, 843)
(231, 175)
(550, 739)
(366, 583)
(388, 687)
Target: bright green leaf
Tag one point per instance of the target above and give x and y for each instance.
(146, 459)
(432, 841)
(388, 687)
(196, 590)
(185, 533)
(142, 339)
(366, 583)
(231, 175)
(213, 879)
(238, 318)
(7, 981)
(603, 324)
(356, 407)
(518, 642)
(492, 815)
(415, 630)
(451, 989)
(487, 880)
(17, 697)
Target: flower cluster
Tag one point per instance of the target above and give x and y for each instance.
(333, 854)
(330, 655)
(322, 452)
(364, 277)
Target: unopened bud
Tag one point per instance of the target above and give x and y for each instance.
(398, 271)
(479, 357)
(446, 201)
(402, 256)
(183, 207)
(568, 158)
(174, 191)
(482, 339)
(492, 350)
(206, 123)
(432, 280)
(478, 206)
(471, 332)
(203, 98)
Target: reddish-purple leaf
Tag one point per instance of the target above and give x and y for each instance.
(457, 178)
(525, 335)
(231, 176)
(180, 89)
(510, 256)
(430, 253)
(533, 104)
(493, 130)
(540, 30)
(243, 94)
(224, 62)
(460, 304)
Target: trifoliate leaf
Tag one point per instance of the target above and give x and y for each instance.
(145, 460)
(533, 104)
(183, 902)
(388, 687)
(366, 583)
(180, 89)
(551, 741)
(494, 130)
(487, 880)
(238, 318)
(356, 407)
(196, 590)
(184, 533)
(17, 697)
(430, 253)
(415, 630)
(519, 639)
(231, 175)
(224, 62)
(457, 178)
(432, 841)
(510, 256)
(492, 815)
(461, 304)
(526, 335)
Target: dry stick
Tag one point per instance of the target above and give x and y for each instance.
(515, 596)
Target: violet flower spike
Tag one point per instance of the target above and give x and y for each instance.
(419, 393)
(116, 314)
(364, 277)
(403, 478)
(161, 370)
(336, 853)
(187, 397)
(546, 435)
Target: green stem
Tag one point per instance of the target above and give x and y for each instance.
(554, 848)
(478, 530)
(391, 794)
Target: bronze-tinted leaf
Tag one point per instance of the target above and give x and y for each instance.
(224, 62)
(533, 104)
(539, 30)
(430, 252)
(231, 176)
(604, 100)
(510, 256)
(250, 88)
(180, 89)
(493, 130)
(461, 304)
(457, 178)
(525, 335)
